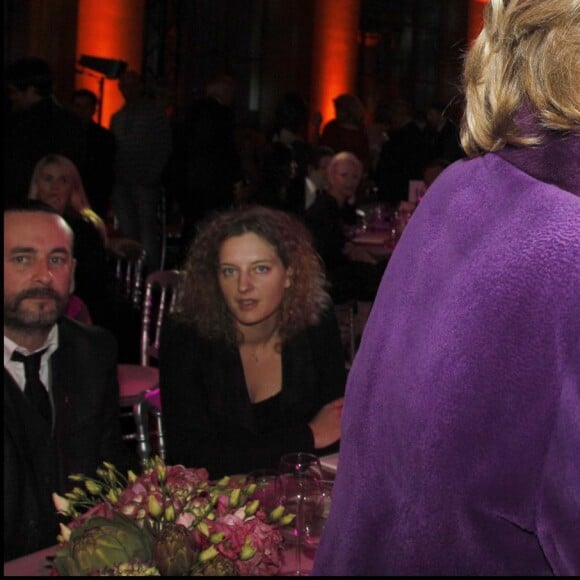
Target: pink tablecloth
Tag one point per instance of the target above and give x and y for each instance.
(36, 564)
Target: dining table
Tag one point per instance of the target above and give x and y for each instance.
(40, 563)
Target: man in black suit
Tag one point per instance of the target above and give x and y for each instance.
(99, 174)
(403, 155)
(37, 125)
(73, 423)
(208, 156)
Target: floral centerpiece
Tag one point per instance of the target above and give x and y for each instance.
(169, 521)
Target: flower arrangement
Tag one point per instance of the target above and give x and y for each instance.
(168, 521)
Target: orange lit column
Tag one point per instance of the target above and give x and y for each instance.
(475, 18)
(110, 29)
(334, 52)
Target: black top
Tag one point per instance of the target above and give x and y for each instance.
(209, 419)
(268, 413)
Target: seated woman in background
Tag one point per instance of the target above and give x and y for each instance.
(354, 274)
(252, 365)
(56, 181)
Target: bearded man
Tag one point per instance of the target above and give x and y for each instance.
(61, 396)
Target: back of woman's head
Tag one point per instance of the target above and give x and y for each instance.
(202, 302)
(527, 56)
(349, 109)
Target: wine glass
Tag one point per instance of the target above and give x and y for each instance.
(315, 519)
(300, 475)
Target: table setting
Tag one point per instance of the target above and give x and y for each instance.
(172, 520)
(377, 230)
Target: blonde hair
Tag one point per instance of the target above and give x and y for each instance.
(343, 157)
(78, 203)
(527, 55)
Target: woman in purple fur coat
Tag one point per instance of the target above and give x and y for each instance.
(460, 448)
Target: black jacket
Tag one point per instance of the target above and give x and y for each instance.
(209, 419)
(87, 430)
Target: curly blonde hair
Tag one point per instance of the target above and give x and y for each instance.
(202, 303)
(528, 54)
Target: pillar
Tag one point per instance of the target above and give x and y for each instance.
(334, 53)
(109, 29)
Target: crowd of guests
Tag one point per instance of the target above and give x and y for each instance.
(460, 411)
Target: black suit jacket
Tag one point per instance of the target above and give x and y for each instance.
(208, 416)
(86, 431)
(29, 135)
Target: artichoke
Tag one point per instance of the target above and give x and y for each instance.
(218, 566)
(174, 550)
(102, 543)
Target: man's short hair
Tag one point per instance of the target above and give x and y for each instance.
(30, 205)
(34, 206)
(30, 72)
(87, 94)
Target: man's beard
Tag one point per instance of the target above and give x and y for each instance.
(38, 319)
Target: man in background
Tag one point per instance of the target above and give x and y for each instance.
(37, 125)
(304, 190)
(208, 155)
(144, 143)
(99, 174)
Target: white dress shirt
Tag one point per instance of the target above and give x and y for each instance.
(16, 369)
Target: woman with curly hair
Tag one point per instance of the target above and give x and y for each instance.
(251, 365)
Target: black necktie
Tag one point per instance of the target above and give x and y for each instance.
(34, 390)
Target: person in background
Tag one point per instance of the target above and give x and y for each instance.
(99, 175)
(353, 273)
(442, 134)
(252, 366)
(277, 178)
(208, 156)
(56, 182)
(143, 134)
(303, 193)
(36, 125)
(290, 128)
(347, 131)
(403, 154)
(461, 426)
(71, 422)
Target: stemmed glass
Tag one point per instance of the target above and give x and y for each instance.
(300, 476)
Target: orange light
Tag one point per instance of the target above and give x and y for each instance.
(475, 22)
(109, 29)
(335, 52)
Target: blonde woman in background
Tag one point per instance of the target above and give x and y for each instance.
(56, 182)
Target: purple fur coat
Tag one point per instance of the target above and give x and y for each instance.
(460, 449)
